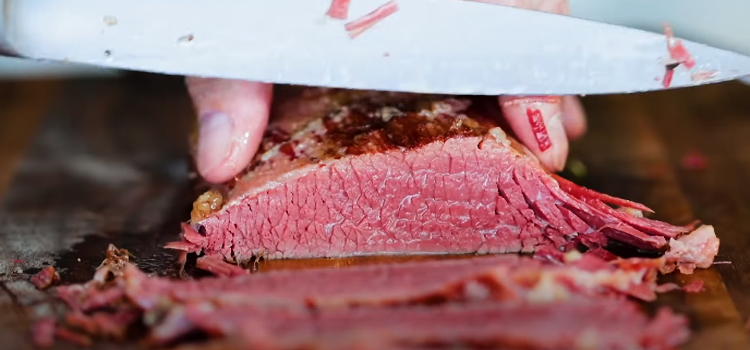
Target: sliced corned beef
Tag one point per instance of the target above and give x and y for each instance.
(350, 173)
(602, 324)
(497, 277)
(500, 278)
(294, 309)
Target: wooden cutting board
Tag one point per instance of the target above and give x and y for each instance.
(92, 162)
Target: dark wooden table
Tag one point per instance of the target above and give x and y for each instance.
(88, 163)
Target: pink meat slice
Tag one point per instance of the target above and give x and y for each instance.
(501, 278)
(380, 284)
(350, 173)
(534, 292)
(606, 323)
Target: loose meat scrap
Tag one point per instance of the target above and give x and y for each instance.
(677, 50)
(351, 173)
(280, 309)
(696, 250)
(339, 9)
(678, 55)
(216, 265)
(360, 25)
(45, 278)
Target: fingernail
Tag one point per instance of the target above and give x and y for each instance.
(214, 140)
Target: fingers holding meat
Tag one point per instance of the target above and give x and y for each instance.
(544, 124)
(233, 114)
(537, 122)
(232, 117)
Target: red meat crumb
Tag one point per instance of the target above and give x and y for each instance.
(45, 278)
(694, 160)
(540, 130)
(667, 81)
(693, 287)
(339, 9)
(678, 54)
(360, 25)
(702, 75)
(216, 265)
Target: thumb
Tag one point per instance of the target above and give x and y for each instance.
(232, 117)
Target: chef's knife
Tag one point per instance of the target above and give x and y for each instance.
(435, 46)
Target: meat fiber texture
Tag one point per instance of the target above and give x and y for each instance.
(510, 302)
(350, 173)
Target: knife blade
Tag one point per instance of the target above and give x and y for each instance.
(430, 46)
(722, 24)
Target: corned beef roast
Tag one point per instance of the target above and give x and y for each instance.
(347, 173)
(350, 173)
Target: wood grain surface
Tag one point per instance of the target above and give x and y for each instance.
(92, 162)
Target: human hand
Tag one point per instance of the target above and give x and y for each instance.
(233, 115)
(563, 117)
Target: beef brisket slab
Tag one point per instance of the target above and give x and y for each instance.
(350, 173)
(507, 301)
